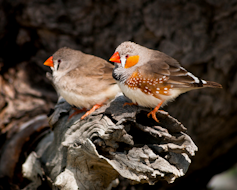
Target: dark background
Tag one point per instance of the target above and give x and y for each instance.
(200, 34)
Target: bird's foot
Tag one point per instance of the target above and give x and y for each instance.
(95, 107)
(153, 112)
(77, 111)
(129, 104)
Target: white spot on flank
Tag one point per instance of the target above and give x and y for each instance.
(204, 82)
(165, 92)
(165, 88)
(158, 89)
(147, 100)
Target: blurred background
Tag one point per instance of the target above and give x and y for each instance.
(200, 34)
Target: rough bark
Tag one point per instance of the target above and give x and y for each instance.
(202, 35)
(115, 140)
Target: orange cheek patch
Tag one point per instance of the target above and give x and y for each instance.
(131, 61)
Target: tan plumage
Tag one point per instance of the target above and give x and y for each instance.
(83, 80)
(151, 78)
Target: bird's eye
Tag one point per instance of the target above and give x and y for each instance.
(59, 61)
(126, 56)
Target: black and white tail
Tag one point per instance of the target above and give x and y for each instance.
(211, 84)
(200, 82)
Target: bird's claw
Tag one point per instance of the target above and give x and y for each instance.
(153, 114)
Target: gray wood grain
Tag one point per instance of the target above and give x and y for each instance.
(114, 140)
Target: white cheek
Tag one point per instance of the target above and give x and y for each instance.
(123, 62)
(55, 65)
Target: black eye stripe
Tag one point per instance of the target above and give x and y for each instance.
(59, 61)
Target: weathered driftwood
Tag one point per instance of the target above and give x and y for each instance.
(112, 141)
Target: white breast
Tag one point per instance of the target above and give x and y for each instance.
(145, 100)
(79, 100)
(88, 101)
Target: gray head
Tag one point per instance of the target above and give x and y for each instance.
(63, 59)
(128, 56)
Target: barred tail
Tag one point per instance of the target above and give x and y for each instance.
(211, 84)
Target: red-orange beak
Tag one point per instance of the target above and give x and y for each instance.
(115, 58)
(49, 62)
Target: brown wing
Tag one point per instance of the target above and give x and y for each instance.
(91, 76)
(169, 71)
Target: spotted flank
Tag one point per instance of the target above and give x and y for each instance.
(150, 86)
